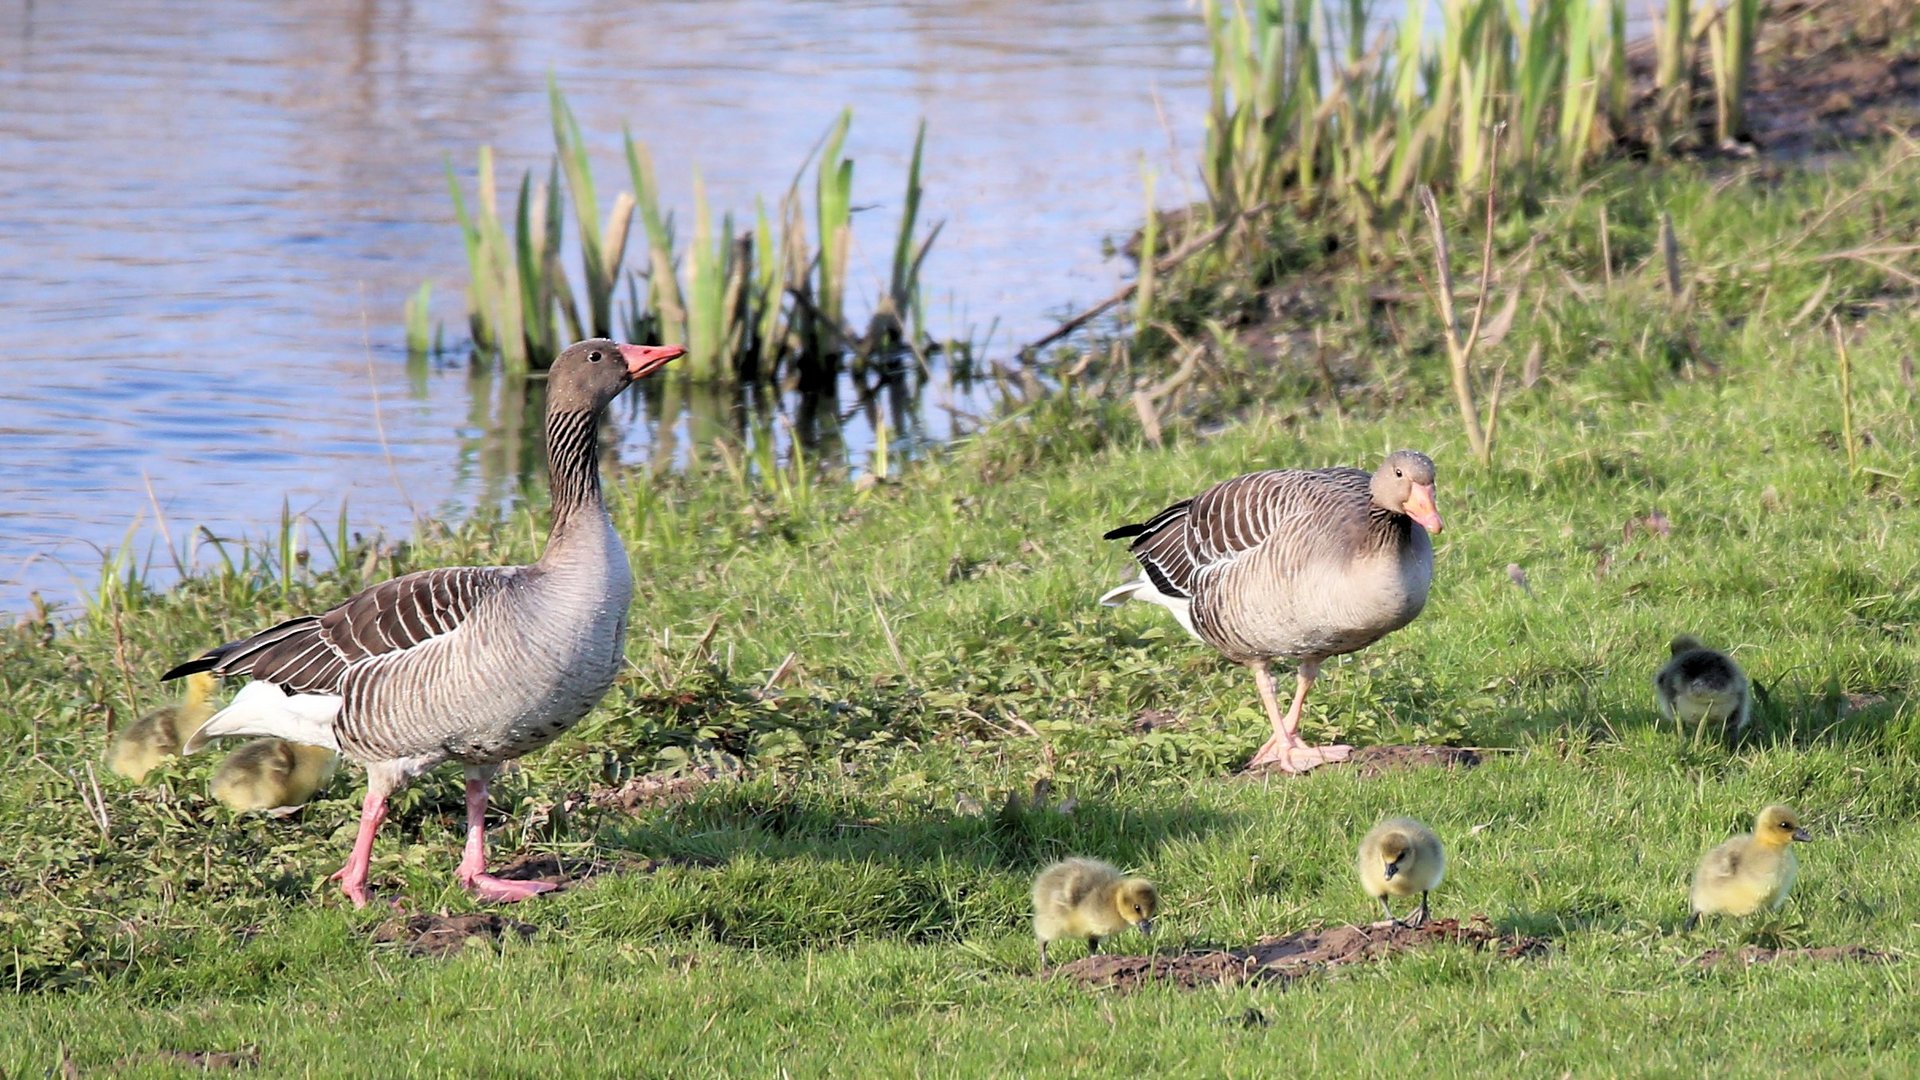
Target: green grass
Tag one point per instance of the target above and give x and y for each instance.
(835, 911)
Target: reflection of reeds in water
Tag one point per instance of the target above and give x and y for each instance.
(764, 304)
(699, 427)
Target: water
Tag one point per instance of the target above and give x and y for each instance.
(211, 214)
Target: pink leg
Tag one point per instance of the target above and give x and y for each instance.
(473, 864)
(1285, 750)
(353, 876)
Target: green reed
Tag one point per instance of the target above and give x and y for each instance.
(752, 304)
(1303, 105)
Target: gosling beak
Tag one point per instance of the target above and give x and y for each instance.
(1392, 869)
(1802, 835)
(1420, 507)
(644, 360)
(1146, 926)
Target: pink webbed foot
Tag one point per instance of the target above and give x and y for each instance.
(503, 890)
(1280, 755)
(356, 889)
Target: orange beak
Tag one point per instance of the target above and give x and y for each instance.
(644, 360)
(1421, 509)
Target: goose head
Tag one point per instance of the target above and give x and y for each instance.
(1404, 485)
(589, 374)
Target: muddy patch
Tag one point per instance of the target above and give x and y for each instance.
(1372, 761)
(445, 935)
(1292, 956)
(205, 1060)
(1748, 955)
(1148, 721)
(651, 792)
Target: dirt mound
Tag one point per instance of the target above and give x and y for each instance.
(566, 872)
(203, 1060)
(1755, 954)
(1372, 761)
(444, 935)
(649, 792)
(1292, 956)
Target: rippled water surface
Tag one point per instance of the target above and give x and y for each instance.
(211, 213)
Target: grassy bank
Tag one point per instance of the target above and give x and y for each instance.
(870, 671)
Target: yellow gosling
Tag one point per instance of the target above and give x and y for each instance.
(1752, 872)
(1700, 687)
(159, 734)
(1400, 857)
(1090, 899)
(273, 775)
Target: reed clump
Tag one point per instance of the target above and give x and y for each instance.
(1305, 105)
(756, 302)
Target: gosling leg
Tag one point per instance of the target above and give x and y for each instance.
(1387, 910)
(1693, 920)
(1423, 909)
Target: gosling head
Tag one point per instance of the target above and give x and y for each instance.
(1397, 852)
(1404, 484)
(1683, 644)
(1137, 900)
(1778, 826)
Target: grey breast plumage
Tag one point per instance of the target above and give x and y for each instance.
(1295, 563)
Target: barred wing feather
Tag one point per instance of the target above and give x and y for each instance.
(311, 654)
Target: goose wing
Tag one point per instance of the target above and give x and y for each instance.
(1296, 509)
(311, 653)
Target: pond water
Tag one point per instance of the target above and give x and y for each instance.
(211, 214)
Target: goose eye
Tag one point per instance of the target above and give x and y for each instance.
(593, 357)
(1397, 472)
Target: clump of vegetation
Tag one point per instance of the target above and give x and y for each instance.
(765, 303)
(1309, 103)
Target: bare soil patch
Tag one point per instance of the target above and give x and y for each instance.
(1292, 956)
(1372, 761)
(1749, 955)
(204, 1060)
(444, 935)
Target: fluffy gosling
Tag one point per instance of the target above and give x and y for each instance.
(1699, 686)
(1088, 898)
(273, 775)
(1400, 857)
(1752, 872)
(159, 733)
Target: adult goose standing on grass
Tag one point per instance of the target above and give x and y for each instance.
(1293, 564)
(475, 664)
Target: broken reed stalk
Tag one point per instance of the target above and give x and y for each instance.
(1670, 256)
(1846, 396)
(1460, 345)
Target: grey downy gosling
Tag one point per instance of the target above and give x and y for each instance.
(1400, 857)
(1090, 899)
(272, 775)
(160, 733)
(1752, 872)
(1702, 687)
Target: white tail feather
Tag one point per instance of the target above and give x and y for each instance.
(261, 708)
(1141, 588)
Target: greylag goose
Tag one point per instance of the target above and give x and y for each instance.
(272, 775)
(1701, 686)
(160, 733)
(1400, 857)
(1089, 899)
(475, 664)
(1749, 873)
(1297, 564)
